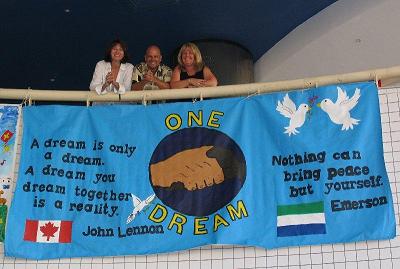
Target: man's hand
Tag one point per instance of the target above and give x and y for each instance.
(149, 77)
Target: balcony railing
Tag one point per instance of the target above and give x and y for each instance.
(200, 93)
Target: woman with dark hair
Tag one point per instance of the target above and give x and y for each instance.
(113, 74)
(191, 71)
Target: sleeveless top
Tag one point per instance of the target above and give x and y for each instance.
(184, 75)
(199, 74)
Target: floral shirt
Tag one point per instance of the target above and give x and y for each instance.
(163, 72)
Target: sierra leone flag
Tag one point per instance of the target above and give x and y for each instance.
(301, 219)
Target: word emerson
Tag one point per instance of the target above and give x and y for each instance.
(342, 205)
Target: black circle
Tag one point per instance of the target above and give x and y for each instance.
(197, 201)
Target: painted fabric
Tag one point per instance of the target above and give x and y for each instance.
(9, 115)
(274, 170)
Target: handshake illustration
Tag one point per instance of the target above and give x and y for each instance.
(197, 168)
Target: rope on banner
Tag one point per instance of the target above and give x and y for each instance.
(144, 102)
(25, 100)
(377, 81)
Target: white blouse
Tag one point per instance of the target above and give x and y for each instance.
(124, 78)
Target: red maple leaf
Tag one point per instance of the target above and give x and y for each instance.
(48, 230)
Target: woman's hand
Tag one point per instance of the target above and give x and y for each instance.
(195, 83)
(110, 78)
(115, 84)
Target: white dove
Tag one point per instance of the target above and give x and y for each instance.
(339, 112)
(297, 117)
(139, 206)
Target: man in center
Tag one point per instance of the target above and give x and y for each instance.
(151, 74)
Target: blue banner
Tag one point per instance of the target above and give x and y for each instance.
(274, 170)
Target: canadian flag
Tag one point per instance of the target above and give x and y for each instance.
(48, 231)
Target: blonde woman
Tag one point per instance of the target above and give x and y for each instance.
(191, 71)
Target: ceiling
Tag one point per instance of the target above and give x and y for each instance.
(55, 44)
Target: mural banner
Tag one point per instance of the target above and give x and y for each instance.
(274, 170)
(9, 116)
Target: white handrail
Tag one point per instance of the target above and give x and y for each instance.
(221, 91)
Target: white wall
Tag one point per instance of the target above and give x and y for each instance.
(348, 36)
